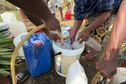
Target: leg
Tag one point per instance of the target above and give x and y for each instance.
(61, 12)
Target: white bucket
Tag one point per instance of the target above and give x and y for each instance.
(17, 28)
(120, 76)
(8, 17)
(63, 61)
(16, 41)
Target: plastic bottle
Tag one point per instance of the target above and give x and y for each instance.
(93, 44)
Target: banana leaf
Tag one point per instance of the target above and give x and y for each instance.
(6, 43)
(3, 62)
(6, 57)
(5, 50)
(2, 71)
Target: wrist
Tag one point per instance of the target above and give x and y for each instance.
(49, 18)
(88, 30)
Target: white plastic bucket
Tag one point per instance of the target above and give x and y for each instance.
(120, 76)
(63, 61)
(16, 41)
(8, 17)
(17, 28)
(76, 74)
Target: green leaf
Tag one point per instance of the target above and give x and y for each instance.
(2, 71)
(4, 62)
(5, 50)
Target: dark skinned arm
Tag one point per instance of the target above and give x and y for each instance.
(39, 9)
(84, 35)
(75, 28)
(107, 65)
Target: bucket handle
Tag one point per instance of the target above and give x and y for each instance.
(59, 53)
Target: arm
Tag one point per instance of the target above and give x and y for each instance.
(108, 63)
(119, 29)
(39, 9)
(77, 22)
(98, 21)
(84, 35)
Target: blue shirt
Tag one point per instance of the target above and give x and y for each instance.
(88, 8)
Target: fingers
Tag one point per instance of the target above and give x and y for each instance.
(72, 36)
(83, 36)
(106, 68)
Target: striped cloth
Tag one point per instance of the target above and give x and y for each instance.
(88, 8)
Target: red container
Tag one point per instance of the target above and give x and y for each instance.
(68, 15)
(124, 64)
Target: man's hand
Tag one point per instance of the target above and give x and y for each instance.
(53, 24)
(84, 35)
(72, 34)
(107, 65)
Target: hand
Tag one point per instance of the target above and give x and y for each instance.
(55, 37)
(72, 34)
(53, 24)
(107, 65)
(84, 35)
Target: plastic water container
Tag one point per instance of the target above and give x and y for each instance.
(17, 28)
(120, 77)
(68, 15)
(65, 31)
(38, 57)
(76, 74)
(3, 26)
(93, 44)
(63, 61)
(16, 40)
(8, 17)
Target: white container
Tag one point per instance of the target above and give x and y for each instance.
(16, 41)
(120, 76)
(76, 74)
(65, 31)
(93, 44)
(17, 28)
(8, 17)
(3, 26)
(63, 61)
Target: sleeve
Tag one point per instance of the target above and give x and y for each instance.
(109, 5)
(77, 11)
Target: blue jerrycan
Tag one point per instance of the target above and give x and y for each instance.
(38, 56)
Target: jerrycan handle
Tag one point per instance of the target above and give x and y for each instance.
(37, 43)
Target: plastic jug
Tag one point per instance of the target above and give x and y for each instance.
(93, 44)
(8, 17)
(17, 28)
(76, 74)
(63, 61)
(120, 77)
(68, 15)
(38, 57)
(17, 39)
(3, 26)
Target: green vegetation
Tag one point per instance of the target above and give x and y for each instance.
(6, 45)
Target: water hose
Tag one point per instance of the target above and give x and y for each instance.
(15, 53)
